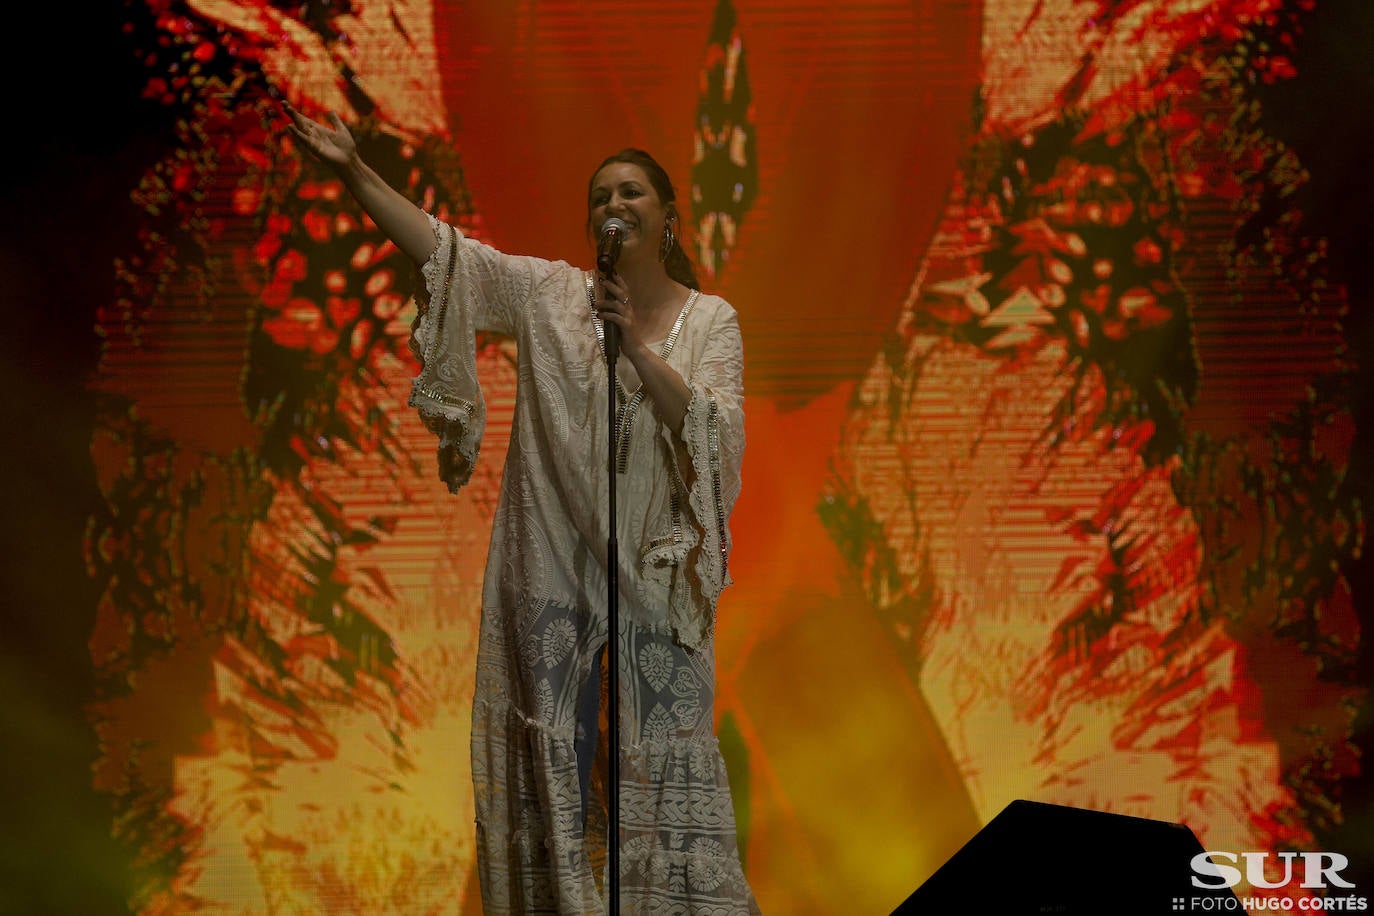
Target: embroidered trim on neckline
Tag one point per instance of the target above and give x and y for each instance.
(625, 415)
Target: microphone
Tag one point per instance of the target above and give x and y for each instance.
(607, 253)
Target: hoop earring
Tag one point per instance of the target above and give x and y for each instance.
(665, 245)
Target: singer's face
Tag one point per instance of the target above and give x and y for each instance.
(622, 190)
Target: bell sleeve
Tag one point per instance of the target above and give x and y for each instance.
(706, 462)
(466, 287)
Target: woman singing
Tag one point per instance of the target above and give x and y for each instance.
(544, 604)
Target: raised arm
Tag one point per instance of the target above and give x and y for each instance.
(399, 219)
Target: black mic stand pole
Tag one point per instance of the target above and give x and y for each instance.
(612, 341)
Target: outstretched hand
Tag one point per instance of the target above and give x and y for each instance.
(332, 145)
(396, 215)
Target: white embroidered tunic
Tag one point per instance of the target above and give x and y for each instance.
(544, 599)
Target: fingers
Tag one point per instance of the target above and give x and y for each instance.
(608, 306)
(319, 140)
(614, 288)
(298, 119)
(302, 138)
(301, 127)
(302, 124)
(613, 306)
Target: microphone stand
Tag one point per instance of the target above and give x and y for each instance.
(611, 333)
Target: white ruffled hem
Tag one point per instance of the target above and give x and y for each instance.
(451, 409)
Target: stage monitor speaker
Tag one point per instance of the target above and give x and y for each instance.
(1037, 858)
